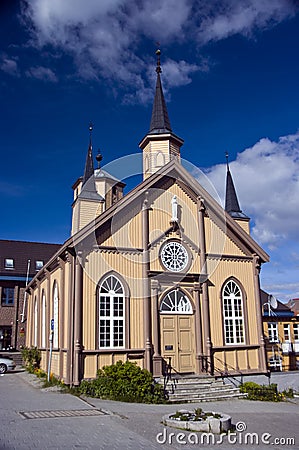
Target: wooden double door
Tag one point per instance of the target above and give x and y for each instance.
(177, 341)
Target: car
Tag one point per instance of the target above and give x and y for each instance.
(6, 364)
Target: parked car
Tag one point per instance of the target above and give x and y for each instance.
(6, 364)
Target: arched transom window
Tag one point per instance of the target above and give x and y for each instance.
(233, 315)
(176, 302)
(111, 313)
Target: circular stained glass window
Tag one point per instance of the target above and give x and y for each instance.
(174, 256)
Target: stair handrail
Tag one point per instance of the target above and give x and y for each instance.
(226, 373)
(167, 375)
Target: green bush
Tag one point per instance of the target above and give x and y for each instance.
(289, 393)
(261, 392)
(31, 357)
(124, 382)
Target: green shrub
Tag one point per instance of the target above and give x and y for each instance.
(289, 393)
(124, 382)
(261, 392)
(31, 357)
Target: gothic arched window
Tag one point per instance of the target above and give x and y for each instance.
(35, 329)
(176, 302)
(111, 313)
(55, 315)
(43, 319)
(233, 313)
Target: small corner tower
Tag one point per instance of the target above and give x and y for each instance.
(160, 145)
(88, 204)
(232, 206)
(107, 186)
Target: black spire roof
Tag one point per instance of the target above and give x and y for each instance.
(88, 182)
(89, 169)
(231, 200)
(160, 122)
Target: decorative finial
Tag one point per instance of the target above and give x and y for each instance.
(226, 156)
(90, 132)
(99, 158)
(158, 68)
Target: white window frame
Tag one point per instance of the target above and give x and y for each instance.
(176, 302)
(9, 263)
(55, 315)
(273, 332)
(112, 313)
(286, 332)
(35, 328)
(233, 314)
(39, 264)
(43, 343)
(296, 331)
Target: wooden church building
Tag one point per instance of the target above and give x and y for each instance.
(161, 275)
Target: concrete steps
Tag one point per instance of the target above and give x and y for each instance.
(16, 356)
(200, 389)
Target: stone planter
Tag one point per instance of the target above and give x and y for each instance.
(208, 425)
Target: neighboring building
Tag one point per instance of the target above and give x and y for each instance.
(161, 274)
(293, 304)
(281, 328)
(19, 263)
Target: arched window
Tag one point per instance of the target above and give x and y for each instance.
(176, 302)
(35, 329)
(160, 159)
(233, 313)
(55, 315)
(43, 320)
(111, 313)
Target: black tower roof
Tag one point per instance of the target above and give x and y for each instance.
(231, 200)
(160, 122)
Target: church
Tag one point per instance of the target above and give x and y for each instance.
(163, 276)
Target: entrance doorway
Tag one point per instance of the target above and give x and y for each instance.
(5, 338)
(177, 331)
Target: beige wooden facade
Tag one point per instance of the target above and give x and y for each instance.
(126, 241)
(162, 275)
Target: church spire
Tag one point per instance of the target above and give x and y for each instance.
(231, 200)
(89, 169)
(160, 145)
(88, 182)
(160, 122)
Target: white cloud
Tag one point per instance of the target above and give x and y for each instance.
(266, 178)
(244, 17)
(9, 65)
(42, 73)
(104, 37)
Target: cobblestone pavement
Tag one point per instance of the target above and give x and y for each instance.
(35, 418)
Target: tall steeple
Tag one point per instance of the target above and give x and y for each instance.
(88, 182)
(88, 203)
(160, 145)
(231, 200)
(160, 122)
(89, 169)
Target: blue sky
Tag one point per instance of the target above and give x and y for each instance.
(230, 76)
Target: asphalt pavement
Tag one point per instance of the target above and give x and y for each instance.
(32, 417)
